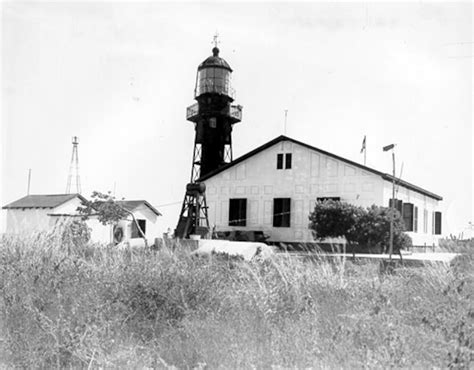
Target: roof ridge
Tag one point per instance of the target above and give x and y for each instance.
(335, 156)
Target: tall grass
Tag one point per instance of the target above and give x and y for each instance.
(66, 304)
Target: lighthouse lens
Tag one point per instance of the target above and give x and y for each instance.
(213, 80)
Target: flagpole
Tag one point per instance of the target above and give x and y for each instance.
(364, 149)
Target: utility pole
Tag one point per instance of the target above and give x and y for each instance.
(392, 207)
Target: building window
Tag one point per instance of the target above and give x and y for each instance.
(408, 216)
(287, 161)
(238, 212)
(135, 232)
(322, 199)
(281, 212)
(415, 220)
(279, 161)
(437, 223)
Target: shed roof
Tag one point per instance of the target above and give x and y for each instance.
(280, 138)
(131, 205)
(42, 201)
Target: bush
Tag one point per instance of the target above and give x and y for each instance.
(368, 228)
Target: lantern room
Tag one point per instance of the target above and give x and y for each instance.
(214, 77)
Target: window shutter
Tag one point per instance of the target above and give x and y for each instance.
(287, 160)
(408, 216)
(437, 223)
(279, 161)
(433, 223)
(286, 212)
(415, 220)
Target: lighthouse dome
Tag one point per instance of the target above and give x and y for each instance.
(215, 61)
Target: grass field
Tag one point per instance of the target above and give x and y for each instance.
(65, 305)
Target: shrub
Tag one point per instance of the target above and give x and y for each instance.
(335, 219)
(373, 229)
(369, 228)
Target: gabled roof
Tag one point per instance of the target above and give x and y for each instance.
(280, 138)
(131, 205)
(42, 201)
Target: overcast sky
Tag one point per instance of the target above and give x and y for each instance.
(120, 76)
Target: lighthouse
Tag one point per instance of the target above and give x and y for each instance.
(213, 116)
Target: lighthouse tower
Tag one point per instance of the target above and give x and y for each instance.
(213, 116)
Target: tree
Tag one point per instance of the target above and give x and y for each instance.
(107, 210)
(369, 228)
(373, 229)
(333, 219)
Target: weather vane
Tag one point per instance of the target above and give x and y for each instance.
(215, 39)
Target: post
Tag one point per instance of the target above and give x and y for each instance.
(392, 208)
(29, 181)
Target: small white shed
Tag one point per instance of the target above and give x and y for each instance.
(37, 213)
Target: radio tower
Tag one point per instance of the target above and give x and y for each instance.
(73, 177)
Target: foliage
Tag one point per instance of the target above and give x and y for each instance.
(367, 227)
(76, 233)
(99, 307)
(373, 229)
(335, 219)
(456, 245)
(104, 206)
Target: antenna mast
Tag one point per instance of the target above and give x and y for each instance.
(73, 177)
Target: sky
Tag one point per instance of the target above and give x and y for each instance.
(120, 75)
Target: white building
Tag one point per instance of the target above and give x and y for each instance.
(274, 188)
(37, 213)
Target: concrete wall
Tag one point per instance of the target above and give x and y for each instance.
(312, 175)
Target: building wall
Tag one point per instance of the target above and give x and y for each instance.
(100, 233)
(142, 213)
(26, 221)
(426, 207)
(312, 175)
